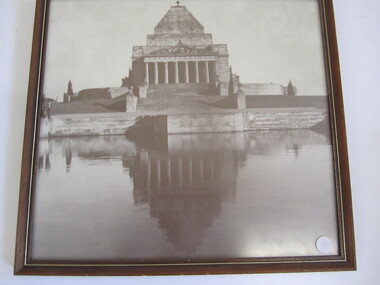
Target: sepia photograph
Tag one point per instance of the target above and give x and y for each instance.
(185, 132)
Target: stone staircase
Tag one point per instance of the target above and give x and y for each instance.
(176, 97)
(180, 89)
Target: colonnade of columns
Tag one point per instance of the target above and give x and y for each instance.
(178, 171)
(200, 71)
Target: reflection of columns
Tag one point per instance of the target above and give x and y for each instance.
(190, 170)
(148, 168)
(166, 73)
(186, 71)
(147, 72)
(180, 171)
(196, 72)
(156, 73)
(176, 72)
(168, 174)
(212, 169)
(201, 168)
(207, 72)
(158, 173)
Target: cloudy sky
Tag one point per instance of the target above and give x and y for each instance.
(90, 41)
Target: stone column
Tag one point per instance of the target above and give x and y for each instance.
(155, 73)
(196, 72)
(147, 72)
(186, 71)
(176, 72)
(166, 73)
(207, 72)
(216, 76)
(214, 71)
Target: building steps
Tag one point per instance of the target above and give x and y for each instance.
(180, 96)
(181, 89)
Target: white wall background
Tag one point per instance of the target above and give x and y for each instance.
(358, 26)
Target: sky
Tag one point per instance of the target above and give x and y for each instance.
(90, 41)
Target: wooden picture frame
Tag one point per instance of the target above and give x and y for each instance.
(344, 259)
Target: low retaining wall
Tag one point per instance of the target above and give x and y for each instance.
(237, 121)
(206, 123)
(275, 119)
(86, 124)
(255, 119)
(258, 119)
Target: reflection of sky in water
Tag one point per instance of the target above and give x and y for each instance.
(186, 196)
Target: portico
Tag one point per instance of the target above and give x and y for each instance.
(169, 70)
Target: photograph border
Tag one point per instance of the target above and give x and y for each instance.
(344, 261)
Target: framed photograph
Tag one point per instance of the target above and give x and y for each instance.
(184, 137)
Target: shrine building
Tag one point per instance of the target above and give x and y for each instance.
(180, 51)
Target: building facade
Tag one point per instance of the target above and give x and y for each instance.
(180, 51)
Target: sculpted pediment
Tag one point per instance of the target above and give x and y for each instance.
(181, 49)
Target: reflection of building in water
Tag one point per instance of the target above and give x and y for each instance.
(181, 173)
(184, 179)
(184, 190)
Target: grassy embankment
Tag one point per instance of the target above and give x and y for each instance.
(118, 104)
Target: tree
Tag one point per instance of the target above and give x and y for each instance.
(231, 83)
(131, 79)
(291, 89)
(70, 88)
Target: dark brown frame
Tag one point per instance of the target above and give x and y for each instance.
(344, 261)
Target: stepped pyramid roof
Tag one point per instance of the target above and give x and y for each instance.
(178, 20)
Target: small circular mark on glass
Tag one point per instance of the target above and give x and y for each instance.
(323, 244)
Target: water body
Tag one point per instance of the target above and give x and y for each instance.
(251, 194)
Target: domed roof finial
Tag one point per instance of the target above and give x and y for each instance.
(177, 2)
